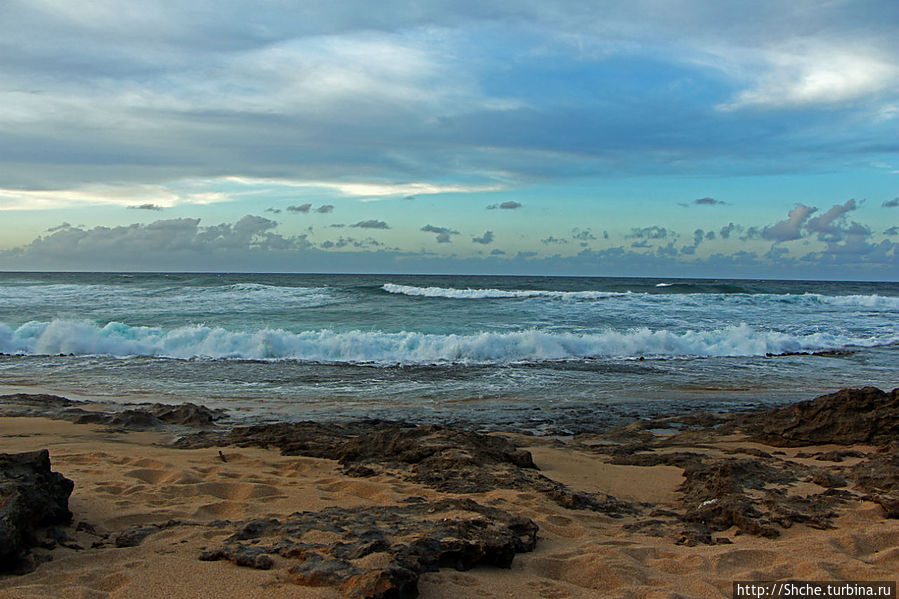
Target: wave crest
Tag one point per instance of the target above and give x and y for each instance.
(120, 340)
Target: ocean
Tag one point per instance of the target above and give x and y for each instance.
(546, 354)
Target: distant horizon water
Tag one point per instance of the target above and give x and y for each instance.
(529, 352)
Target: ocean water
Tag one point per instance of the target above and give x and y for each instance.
(545, 353)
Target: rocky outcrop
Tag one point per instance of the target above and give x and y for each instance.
(31, 497)
(379, 552)
(866, 415)
(128, 416)
(445, 458)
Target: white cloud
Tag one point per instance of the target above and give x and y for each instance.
(805, 73)
(18, 199)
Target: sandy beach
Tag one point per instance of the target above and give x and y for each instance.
(621, 514)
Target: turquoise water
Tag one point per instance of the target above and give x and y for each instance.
(513, 350)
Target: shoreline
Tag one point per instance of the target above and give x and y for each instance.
(662, 507)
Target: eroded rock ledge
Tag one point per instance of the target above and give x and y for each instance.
(379, 552)
(31, 497)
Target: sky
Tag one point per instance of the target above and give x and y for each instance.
(677, 138)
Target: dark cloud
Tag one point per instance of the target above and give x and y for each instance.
(511, 205)
(582, 235)
(829, 225)
(728, 229)
(484, 239)
(892, 231)
(343, 242)
(302, 208)
(653, 232)
(709, 202)
(273, 210)
(698, 237)
(153, 207)
(553, 240)
(497, 253)
(443, 234)
(325, 209)
(371, 224)
(176, 243)
(891, 203)
(58, 227)
(791, 228)
(641, 244)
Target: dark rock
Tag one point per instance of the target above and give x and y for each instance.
(714, 494)
(849, 416)
(138, 417)
(127, 419)
(410, 540)
(838, 455)
(879, 477)
(247, 557)
(135, 535)
(31, 497)
(681, 459)
(827, 479)
(186, 414)
(448, 459)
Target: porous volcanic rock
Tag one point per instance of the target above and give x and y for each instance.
(31, 497)
(849, 416)
(446, 458)
(379, 552)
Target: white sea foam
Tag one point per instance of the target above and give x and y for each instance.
(866, 302)
(117, 339)
(451, 293)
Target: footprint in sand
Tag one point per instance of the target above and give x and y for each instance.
(548, 590)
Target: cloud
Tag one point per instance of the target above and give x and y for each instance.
(892, 231)
(273, 210)
(553, 240)
(653, 232)
(583, 235)
(302, 208)
(709, 202)
(172, 242)
(64, 225)
(154, 207)
(484, 239)
(510, 205)
(497, 253)
(828, 225)
(891, 203)
(325, 209)
(343, 242)
(807, 72)
(728, 229)
(371, 224)
(791, 228)
(443, 234)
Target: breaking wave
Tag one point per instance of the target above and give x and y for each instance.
(375, 347)
(867, 302)
(493, 293)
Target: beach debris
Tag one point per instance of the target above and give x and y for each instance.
(31, 497)
(379, 552)
(222, 456)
